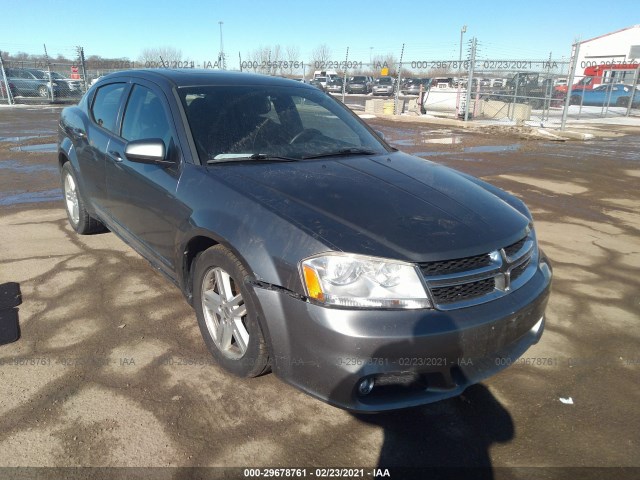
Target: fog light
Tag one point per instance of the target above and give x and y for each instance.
(365, 386)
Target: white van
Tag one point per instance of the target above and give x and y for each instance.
(324, 76)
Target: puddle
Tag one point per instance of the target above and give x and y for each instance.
(18, 166)
(406, 142)
(432, 154)
(492, 148)
(43, 148)
(18, 139)
(31, 197)
(443, 140)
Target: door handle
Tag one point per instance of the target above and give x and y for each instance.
(115, 155)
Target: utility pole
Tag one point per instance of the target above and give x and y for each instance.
(370, 56)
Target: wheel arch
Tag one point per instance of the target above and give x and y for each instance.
(198, 243)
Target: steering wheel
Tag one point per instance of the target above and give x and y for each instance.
(305, 134)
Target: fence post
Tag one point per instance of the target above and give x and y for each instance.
(344, 78)
(633, 92)
(397, 94)
(572, 74)
(6, 82)
(84, 67)
(472, 63)
(53, 97)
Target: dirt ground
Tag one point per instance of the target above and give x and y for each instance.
(110, 368)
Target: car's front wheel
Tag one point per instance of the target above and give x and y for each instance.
(227, 314)
(43, 91)
(79, 218)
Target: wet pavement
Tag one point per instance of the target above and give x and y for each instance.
(111, 370)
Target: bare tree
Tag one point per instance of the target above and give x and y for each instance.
(160, 55)
(292, 56)
(320, 56)
(389, 61)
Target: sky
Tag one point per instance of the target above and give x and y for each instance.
(430, 30)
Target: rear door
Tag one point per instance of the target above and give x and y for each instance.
(104, 112)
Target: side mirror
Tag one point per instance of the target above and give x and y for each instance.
(150, 150)
(380, 134)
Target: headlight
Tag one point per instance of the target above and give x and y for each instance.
(358, 281)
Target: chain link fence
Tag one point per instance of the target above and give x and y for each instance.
(40, 79)
(511, 92)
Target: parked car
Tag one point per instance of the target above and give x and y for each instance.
(335, 85)
(318, 84)
(3, 89)
(33, 82)
(358, 84)
(384, 86)
(613, 94)
(412, 86)
(497, 83)
(73, 86)
(260, 198)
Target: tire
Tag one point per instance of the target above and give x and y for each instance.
(77, 214)
(227, 315)
(574, 100)
(622, 102)
(43, 91)
(536, 104)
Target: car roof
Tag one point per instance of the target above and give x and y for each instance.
(203, 77)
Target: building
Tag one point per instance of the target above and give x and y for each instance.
(619, 49)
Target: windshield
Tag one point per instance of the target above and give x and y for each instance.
(40, 75)
(384, 81)
(357, 79)
(230, 122)
(57, 76)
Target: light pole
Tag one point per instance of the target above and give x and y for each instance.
(463, 30)
(370, 53)
(221, 59)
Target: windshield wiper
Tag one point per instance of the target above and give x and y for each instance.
(343, 152)
(255, 156)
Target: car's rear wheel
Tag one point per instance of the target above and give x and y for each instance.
(79, 218)
(227, 314)
(622, 102)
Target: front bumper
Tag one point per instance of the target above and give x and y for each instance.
(414, 356)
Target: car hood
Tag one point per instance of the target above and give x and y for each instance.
(393, 205)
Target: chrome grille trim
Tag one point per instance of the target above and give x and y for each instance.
(470, 287)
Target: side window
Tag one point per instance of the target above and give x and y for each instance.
(105, 105)
(145, 118)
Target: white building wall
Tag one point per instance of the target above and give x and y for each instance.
(614, 48)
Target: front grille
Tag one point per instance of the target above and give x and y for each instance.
(511, 250)
(448, 267)
(465, 291)
(463, 282)
(519, 270)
